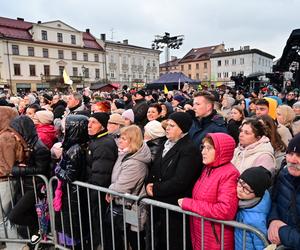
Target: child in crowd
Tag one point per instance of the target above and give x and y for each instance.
(254, 205)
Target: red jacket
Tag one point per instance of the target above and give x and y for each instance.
(214, 196)
(47, 134)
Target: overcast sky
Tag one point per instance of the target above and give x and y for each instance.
(262, 24)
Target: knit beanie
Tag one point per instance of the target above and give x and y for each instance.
(183, 120)
(101, 117)
(43, 117)
(154, 129)
(129, 115)
(294, 145)
(258, 178)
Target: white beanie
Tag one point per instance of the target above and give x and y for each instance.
(128, 114)
(44, 117)
(154, 129)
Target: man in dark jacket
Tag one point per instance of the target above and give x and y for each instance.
(102, 154)
(59, 106)
(284, 218)
(140, 108)
(207, 120)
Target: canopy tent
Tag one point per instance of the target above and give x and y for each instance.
(172, 80)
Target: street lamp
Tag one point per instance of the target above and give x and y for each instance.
(167, 42)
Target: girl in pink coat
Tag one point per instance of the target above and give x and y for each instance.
(214, 194)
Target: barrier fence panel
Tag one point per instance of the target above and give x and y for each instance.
(21, 204)
(87, 221)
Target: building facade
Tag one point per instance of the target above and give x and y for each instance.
(33, 56)
(244, 61)
(196, 63)
(130, 65)
(171, 66)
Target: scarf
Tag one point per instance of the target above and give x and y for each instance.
(249, 203)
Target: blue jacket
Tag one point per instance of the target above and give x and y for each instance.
(286, 207)
(210, 124)
(256, 217)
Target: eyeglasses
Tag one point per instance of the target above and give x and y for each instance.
(208, 148)
(245, 189)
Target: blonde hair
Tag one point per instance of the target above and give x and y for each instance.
(134, 135)
(288, 114)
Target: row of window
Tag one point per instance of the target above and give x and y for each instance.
(233, 62)
(15, 51)
(125, 60)
(32, 71)
(59, 37)
(197, 66)
(226, 74)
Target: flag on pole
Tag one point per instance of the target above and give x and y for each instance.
(166, 91)
(67, 79)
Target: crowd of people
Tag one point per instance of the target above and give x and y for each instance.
(220, 153)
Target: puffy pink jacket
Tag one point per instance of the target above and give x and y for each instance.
(47, 134)
(214, 196)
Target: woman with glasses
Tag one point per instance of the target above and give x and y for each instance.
(254, 148)
(214, 194)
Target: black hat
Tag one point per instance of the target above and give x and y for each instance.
(258, 178)
(102, 118)
(183, 120)
(294, 145)
(141, 92)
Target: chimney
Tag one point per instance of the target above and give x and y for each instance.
(87, 30)
(103, 37)
(20, 18)
(125, 41)
(39, 22)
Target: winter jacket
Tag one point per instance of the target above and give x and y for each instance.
(260, 153)
(214, 196)
(233, 130)
(155, 146)
(38, 160)
(285, 134)
(128, 176)
(140, 112)
(47, 134)
(173, 177)
(286, 207)
(256, 217)
(72, 167)
(11, 149)
(101, 157)
(210, 124)
(59, 109)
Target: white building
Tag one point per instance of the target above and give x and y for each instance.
(244, 61)
(129, 64)
(34, 55)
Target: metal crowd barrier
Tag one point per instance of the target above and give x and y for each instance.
(12, 189)
(83, 223)
(132, 218)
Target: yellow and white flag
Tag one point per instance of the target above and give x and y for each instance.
(67, 79)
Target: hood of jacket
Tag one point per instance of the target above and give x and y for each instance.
(6, 116)
(26, 128)
(142, 155)
(224, 147)
(76, 130)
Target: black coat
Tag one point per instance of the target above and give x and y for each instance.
(175, 174)
(102, 155)
(155, 146)
(233, 128)
(59, 109)
(173, 177)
